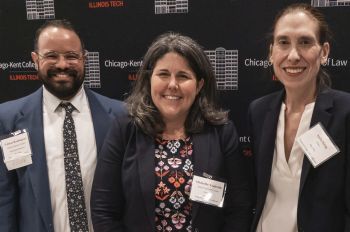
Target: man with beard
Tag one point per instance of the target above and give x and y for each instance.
(48, 187)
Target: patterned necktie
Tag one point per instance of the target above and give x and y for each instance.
(74, 183)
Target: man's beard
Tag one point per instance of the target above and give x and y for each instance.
(64, 90)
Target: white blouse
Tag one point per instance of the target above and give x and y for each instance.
(280, 210)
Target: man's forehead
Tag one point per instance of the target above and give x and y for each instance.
(53, 31)
(52, 34)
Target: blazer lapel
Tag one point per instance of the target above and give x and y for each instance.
(99, 116)
(323, 103)
(201, 152)
(32, 119)
(145, 160)
(266, 147)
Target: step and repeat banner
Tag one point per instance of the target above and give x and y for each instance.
(117, 33)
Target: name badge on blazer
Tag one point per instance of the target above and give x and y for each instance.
(16, 149)
(317, 145)
(207, 190)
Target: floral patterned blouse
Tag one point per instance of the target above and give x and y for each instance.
(173, 170)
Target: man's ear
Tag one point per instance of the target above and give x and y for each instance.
(35, 59)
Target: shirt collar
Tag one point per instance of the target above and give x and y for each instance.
(52, 102)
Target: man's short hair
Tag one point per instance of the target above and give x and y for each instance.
(60, 23)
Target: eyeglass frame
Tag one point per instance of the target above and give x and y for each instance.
(44, 57)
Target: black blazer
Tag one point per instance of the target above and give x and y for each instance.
(123, 194)
(324, 195)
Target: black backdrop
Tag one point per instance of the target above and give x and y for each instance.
(117, 34)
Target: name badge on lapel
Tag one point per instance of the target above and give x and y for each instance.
(207, 190)
(317, 145)
(16, 149)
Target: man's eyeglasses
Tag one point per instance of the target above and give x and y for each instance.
(70, 57)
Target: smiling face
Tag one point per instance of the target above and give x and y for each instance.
(61, 73)
(174, 87)
(296, 53)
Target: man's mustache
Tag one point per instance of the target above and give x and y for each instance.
(67, 71)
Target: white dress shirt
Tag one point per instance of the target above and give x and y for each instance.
(53, 116)
(280, 209)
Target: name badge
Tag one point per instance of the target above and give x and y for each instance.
(16, 150)
(208, 191)
(317, 145)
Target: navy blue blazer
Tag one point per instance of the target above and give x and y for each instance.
(324, 195)
(123, 192)
(25, 203)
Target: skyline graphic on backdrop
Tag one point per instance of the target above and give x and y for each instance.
(170, 6)
(225, 65)
(40, 9)
(92, 70)
(329, 3)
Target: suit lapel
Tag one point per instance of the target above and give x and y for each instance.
(99, 115)
(323, 103)
(145, 160)
(267, 146)
(32, 119)
(201, 152)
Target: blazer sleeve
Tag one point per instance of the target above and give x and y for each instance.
(107, 200)
(251, 148)
(238, 208)
(8, 195)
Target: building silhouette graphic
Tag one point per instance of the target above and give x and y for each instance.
(225, 65)
(92, 70)
(40, 9)
(170, 6)
(330, 3)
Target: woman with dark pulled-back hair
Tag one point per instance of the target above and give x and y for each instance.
(167, 164)
(300, 135)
